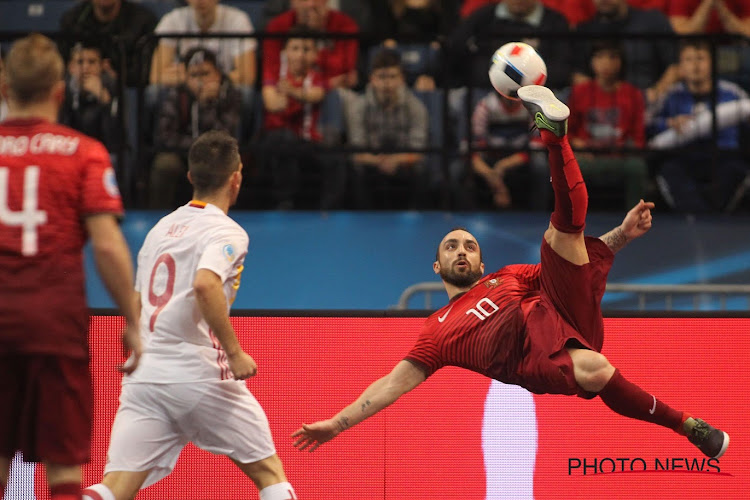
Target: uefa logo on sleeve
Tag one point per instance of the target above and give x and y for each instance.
(228, 251)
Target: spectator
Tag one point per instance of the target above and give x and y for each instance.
(3, 103)
(660, 5)
(387, 117)
(337, 59)
(710, 16)
(235, 56)
(697, 179)
(114, 25)
(207, 100)
(608, 113)
(91, 101)
(413, 27)
(499, 122)
(290, 124)
(477, 37)
(649, 62)
(575, 11)
(368, 15)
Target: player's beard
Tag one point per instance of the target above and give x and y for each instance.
(460, 279)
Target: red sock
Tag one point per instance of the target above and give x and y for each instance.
(631, 401)
(66, 491)
(571, 197)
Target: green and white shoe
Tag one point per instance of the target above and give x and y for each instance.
(710, 440)
(548, 111)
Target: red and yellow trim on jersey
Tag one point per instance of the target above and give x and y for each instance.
(197, 204)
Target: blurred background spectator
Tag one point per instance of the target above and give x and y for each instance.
(3, 103)
(337, 58)
(235, 56)
(207, 100)
(608, 113)
(388, 117)
(702, 175)
(91, 98)
(649, 61)
(477, 37)
(291, 105)
(710, 16)
(499, 122)
(114, 25)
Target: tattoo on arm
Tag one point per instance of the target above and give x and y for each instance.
(615, 239)
(343, 423)
(365, 405)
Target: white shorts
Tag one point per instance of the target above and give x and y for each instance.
(155, 421)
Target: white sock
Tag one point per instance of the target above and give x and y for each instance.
(98, 492)
(278, 491)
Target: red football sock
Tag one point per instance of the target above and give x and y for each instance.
(66, 491)
(571, 197)
(631, 401)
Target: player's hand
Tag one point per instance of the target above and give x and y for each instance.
(311, 436)
(637, 222)
(131, 343)
(242, 365)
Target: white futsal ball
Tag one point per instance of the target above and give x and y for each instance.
(515, 65)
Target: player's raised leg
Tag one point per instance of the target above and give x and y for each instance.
(565, 234)
(269, 477)
(595, 374)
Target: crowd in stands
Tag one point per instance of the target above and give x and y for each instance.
(386, 104)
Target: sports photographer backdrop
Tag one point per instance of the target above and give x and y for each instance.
(347, 260)
(459, 436)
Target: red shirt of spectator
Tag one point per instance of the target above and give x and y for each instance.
(575, 11)
(607, 119)
(335, 57)
(649, 4)
(299, 117)
(686, 8)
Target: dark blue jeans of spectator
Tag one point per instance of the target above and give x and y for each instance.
(696, 182)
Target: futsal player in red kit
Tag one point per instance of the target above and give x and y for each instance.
(536, 326)
(57, 188)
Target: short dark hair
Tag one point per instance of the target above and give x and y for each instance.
(386, 58)
(198, 55)
(613, 47)
(300, 31)
(457, 228)
(694, 43)
(212, 159)
(87, 45)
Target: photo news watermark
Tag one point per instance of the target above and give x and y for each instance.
(610, 465)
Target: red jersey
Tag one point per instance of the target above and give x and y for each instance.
(575, 11)
(483, 329)
(335, 57)
(299, 117)
(51, 177)
(607, 119)
(686, 8)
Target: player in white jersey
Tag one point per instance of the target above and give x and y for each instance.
(188, 386)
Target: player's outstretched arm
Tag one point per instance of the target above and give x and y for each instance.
(115, 266)
(636, 223)
(404, 377)
(212, 302)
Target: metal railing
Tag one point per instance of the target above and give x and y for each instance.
(642, 291)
